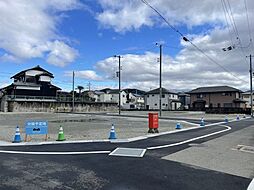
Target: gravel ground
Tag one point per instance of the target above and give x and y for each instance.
(94, 127)
(80, 127)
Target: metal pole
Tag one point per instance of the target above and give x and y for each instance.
(251, 96)
(73, 91)
(160, 78)
(119, 75)
(119, 82)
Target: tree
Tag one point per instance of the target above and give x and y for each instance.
(80, 88)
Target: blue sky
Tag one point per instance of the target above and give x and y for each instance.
(62, 36)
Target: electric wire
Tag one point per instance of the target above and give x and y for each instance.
(227, 22)
(229, 11)
(187, 40)
(248, 22)
(236, 30)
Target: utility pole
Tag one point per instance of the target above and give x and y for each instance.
(73, 74)
(160, 45)
(251, 96)
(119, 79)
(89, 86)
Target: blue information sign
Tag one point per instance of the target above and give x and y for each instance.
(36, 127)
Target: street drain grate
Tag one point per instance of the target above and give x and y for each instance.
(128, 152)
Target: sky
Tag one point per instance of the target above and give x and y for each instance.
(83, 36)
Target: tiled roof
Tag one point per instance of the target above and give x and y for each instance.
(45, 72)
(213, 89)
(157, 91)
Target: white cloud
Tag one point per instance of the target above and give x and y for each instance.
(87, 74)
(29, 30)
(60, 54)
(126, 15)
(132, 14)
(188, 69)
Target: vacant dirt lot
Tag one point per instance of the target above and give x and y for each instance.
(95, 127)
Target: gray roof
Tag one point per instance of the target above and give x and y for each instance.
(214, 89)
(248, 92)
(157, 91)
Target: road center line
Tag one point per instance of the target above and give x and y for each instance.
(53, 153)
(190, 140)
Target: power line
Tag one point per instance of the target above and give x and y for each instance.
(232, 20)
(187, 40)
(225, 15)
(236, 30)
(248, 22)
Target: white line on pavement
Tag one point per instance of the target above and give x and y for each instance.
(251, 185)
(53, 153)
(190, 140)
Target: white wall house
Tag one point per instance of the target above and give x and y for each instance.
(102, 97)
(115, 97)
(137, 100)
(169, 100)
(247, 98)
(110, 95)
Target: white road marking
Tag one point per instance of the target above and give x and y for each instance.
(190, 140)
(53, 153)
(251, 185)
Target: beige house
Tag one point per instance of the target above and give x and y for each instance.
(216, 97)
(247, 98)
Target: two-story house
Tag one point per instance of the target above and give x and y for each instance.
(216, 97)
(247, 97)
(30, 85)
(34, 82)
(110, 95)
(135, 98)
(169, 100)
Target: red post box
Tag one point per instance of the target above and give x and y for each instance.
(153, 122)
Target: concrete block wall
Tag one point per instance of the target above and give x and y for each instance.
(59, 107)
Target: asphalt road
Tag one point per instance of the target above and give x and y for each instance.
(101, 171)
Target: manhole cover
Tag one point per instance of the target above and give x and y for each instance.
(129, 152)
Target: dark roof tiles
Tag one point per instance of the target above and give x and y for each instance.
(214, 89)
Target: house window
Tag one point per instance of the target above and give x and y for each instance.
(199, 95)
(163, 104)
(155, 104)
(218, 105)
(153, 95)
(228, 105)
(226, 94)
(123, 95)
(147, 96)
(163, 95)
